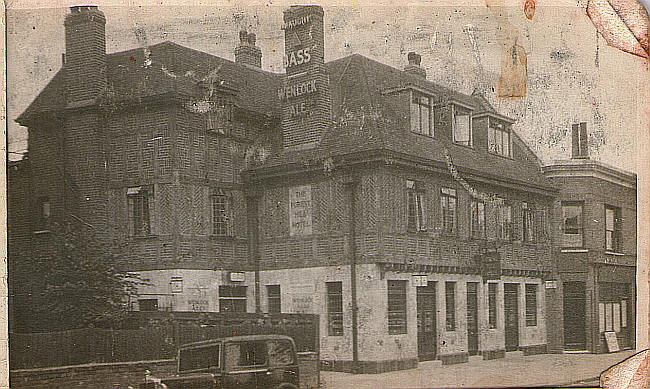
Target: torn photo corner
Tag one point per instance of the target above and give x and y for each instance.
(332, 195)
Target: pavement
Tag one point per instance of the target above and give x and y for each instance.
(514, 370)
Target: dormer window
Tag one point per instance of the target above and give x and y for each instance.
(462, 125)
(421, 113)
(499, 138)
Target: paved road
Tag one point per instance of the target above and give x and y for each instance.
(517, 370)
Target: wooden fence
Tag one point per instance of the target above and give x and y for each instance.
(153, 336)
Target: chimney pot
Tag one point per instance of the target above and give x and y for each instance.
(414, 58)
(247, 53)
(414, 67)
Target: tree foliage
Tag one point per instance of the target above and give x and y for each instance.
(75, 284)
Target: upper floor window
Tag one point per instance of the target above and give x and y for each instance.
(140, 200)
(44, 213)
(462, 126)
(504, 221)
(477, 209)
(528, 222)
(415, 207)
(572, 224)
(421, 113)
(448, 204)
(612, 228)
(499, 138)
(220, 214)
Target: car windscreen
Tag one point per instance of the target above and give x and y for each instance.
(199, 358)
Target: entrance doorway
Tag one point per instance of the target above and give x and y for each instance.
(574, 304)
(426, 314)
(472, 318)
(511, 310)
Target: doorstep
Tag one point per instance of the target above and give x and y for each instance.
(514, 354)
(475, 359)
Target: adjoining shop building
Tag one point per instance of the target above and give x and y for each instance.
(596, 214)
(410, 217)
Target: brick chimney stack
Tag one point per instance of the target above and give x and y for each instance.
(247, 53)
(305, 95)
(85, 54)
(414, 65)
(579, 141)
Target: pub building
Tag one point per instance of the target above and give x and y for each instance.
(410, 217)
(596, 235)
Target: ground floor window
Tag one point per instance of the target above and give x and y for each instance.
(492, 305)
(274, 301)
(397, 307)
(450, 306)
(232, 298)
(613, 316)
(335, 308)
(531, 305)
(148, 304)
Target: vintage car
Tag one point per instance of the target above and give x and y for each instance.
(258, 361)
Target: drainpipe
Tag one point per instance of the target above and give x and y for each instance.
(353, 271)
(253, 241)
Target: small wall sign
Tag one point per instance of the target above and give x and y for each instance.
(237, 276)
(420, 280)
(551, 284)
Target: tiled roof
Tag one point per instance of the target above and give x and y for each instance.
(361, 81)
(172, 68)
(357, 83)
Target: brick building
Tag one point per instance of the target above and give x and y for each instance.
(409, 216)
(596, 235)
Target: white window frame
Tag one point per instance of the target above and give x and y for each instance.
(431, 130)
(455, 109)
(495, 126)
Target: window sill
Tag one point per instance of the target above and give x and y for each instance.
(221, 237)
(40, 232)
(614, 253)
(143, 237)
(470, 146)
(500, 155)
(424, 135)
(574, 251)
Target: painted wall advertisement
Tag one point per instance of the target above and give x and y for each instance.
(300, 210)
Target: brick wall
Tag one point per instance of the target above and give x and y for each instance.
(94, 375)
(169, 148)
(121, 375)
(381, 233)
(595, 193)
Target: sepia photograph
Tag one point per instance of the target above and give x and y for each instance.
(331, 195)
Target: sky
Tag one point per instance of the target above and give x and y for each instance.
(572, 75)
